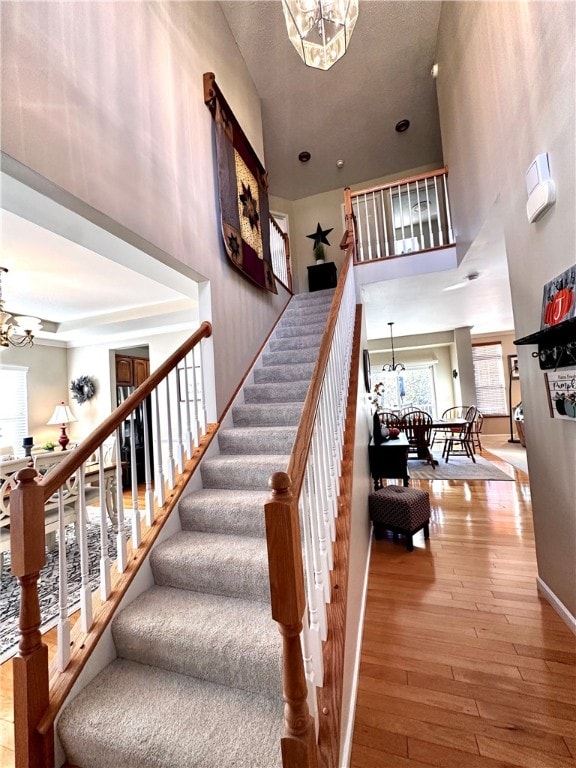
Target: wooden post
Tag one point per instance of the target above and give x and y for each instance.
(299, 748)
(30, 666)
(349, 219)
(287, 251)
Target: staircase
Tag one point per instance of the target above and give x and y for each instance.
(197, 680)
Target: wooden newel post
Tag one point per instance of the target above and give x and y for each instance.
(349, 219)
(299, 748)
(30, 666)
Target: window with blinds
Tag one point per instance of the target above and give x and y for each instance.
(489, 379)
(13, 406)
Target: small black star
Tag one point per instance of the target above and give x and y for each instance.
(234, 245)
(320, 236)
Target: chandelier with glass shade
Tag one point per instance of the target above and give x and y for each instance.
(320, 30)
(18, 331)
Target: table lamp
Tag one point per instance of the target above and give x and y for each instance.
(62, 415)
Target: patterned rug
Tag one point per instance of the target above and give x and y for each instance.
(457, 468)
(48, 585)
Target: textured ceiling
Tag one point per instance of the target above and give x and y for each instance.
(348, 112)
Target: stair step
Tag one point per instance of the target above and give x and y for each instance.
(289, 331)
(294, 342)
(324, 296)
(266, 415)
(135, 716)
(212, 510)
(306, 355)
(216, 564)
(243, 472)
(286, 372)
(224, 640)
(276, 392)
(256, 440)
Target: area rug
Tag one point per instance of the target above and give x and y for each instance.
(457, 468)
(48, 586)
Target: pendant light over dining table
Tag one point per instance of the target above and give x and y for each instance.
(393, 366)
(320, 30)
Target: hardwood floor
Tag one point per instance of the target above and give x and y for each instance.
(463, 665)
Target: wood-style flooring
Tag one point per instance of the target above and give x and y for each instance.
(463, 665)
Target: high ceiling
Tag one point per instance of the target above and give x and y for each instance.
(349, 112)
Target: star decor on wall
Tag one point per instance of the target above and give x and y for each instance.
(250, 209)
(320, 236)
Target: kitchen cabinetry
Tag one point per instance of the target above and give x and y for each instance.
(131, 371)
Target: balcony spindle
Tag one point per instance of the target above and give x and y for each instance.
(149, 488)
(82, 528)
(121, 539)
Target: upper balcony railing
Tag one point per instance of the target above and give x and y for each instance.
(280, 251)
(405, 216)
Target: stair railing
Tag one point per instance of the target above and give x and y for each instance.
(404, 216)
(300, 528)
(172, 403)
(280, 252)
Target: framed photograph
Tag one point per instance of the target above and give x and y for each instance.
(513, 369)
(558, 300)
(366, 360)
(561, 391)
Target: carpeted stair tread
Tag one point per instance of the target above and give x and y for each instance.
(242, 472)
(213, 563)
(295, 342)
(283, 372)
(267, 415)
(225, 640)
(286, 331)
(276, 392)
(136, 716)
(304, 355)
(256, 440)
(216, 510)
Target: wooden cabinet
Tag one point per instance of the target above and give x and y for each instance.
(131, 371)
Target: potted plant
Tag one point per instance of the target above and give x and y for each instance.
(319, 253)
(49, 446)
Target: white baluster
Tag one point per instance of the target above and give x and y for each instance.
(121, 539)
(314, 640)
(447, 204)
(186, 398)
(105, 580)
(203, 414)
(196, 423)
(63, 653)
(440, 227)
(82, 528)
(136, 529)
(430, 206)
(171, 468)
(383, 212)
(179, 458)
(159, 483)
(149, 492)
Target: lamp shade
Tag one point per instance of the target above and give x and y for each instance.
(62, 415)
(320, 30)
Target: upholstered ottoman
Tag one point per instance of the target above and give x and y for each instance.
(400, 510)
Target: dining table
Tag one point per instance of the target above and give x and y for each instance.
(423, 450)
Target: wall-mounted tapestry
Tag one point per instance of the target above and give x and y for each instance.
(243, 187)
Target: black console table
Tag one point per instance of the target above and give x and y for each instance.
(321, 276)
(389, 460)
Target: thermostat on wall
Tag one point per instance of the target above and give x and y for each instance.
(540, 188)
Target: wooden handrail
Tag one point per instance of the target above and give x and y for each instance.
(400, 182)
(79, 455)
(298, 458)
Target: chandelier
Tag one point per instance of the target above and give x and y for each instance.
(320, 30)
(18, 331)
(393, 366)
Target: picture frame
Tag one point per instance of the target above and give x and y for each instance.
(559, 299)
(366, 363)
(561, 392)
(513, 370)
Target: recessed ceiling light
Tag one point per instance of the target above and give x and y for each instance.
(304, 157)
(462, 283)
(402, 125)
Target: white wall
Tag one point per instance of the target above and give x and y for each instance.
(506, 86)
(106, 101)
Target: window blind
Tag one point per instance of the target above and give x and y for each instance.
(489, 379)
(13, 405)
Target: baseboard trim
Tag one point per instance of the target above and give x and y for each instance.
(346, 750)
(558, 606)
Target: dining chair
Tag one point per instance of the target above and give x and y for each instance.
(450, 414)
(45, 464)
(417, 425)
(389, 419)
(477, 425)
(460, 443)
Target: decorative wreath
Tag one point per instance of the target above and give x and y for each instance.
(82, 389)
